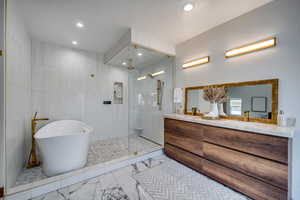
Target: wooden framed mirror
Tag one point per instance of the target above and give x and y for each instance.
(260, 98)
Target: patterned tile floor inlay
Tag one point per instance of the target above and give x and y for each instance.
(172, 180)
(99, 152)
(159, 178)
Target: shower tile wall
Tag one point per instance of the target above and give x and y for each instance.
(18, 92)
(62, 88)
(144, 112)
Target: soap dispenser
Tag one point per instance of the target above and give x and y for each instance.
(281, 120)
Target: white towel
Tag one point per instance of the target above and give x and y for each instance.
(178, 95)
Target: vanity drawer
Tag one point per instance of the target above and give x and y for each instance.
(186, 143)
(184, 135)
(270, 147)
(186, 129)
(189, 159)
(248, 185)
(268, 171)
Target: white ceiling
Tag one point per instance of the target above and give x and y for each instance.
(107, 20)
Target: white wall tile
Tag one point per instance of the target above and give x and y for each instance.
(18, 93)
(63, 88)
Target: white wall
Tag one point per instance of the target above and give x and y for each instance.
(279, 18)
(62, 88)
(18, 92)
(144, 112)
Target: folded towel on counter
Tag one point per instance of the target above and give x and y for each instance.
(178, 95)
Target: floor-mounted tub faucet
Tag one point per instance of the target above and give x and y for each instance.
(33, 160)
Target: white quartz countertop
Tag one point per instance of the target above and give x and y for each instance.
(266, 129)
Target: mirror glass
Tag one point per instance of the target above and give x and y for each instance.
(257, 99)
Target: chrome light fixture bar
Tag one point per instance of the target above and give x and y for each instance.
(141, 78)
(196, 62)
(158, 73)
(263, 44)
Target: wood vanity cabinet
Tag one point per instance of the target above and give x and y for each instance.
(253, 164)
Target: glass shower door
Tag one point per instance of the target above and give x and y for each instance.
(150, 92)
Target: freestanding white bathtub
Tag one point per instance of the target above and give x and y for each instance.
(63, 146)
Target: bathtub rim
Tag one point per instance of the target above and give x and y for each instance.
(86, 129)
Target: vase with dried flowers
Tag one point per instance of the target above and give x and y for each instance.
(223, 99)
(215, 95)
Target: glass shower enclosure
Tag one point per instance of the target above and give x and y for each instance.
(150, 89)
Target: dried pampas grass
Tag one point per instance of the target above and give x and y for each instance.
(215, 94)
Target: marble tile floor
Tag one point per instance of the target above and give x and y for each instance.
(106, 150)
(159, 178)
(116, 185)
(99, 152)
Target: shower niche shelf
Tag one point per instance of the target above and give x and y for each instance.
(118, 93)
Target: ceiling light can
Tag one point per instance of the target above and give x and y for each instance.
(188, 7)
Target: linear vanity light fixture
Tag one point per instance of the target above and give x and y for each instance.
(158, 73)
(141, 78)
(196, 62)
(263, 44)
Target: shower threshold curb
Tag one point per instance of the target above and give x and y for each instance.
(25, 192)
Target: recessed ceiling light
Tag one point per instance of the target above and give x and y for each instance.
(124, 63)
(79, 24)
(74, 42)
(188, 7)
(140, 54)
